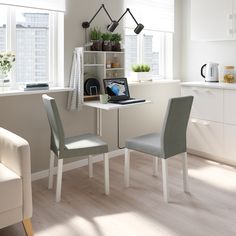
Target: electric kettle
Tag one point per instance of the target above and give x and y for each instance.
(211, 72)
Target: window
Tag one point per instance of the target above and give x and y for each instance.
(35, 37)
(3, 23)
(149, 47)
(32, 45)
(153, 46)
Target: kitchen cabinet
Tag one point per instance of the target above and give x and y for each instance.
(213, 20)
(212, 125)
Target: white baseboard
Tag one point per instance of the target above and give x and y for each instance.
(76, 164)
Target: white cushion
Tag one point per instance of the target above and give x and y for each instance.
(10, 189)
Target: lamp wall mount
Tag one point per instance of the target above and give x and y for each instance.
(86, 24)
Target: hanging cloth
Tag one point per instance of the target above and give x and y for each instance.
(76, 97)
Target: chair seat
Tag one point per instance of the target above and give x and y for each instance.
(10, 189)
(149, 143)
(83, 145)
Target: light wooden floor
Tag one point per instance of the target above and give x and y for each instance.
(209, 210)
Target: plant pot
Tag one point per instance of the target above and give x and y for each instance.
(116, 46)
(106, 45)
(96, 46)
(141, 76)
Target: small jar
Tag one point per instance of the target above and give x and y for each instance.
(228, 74)
(108, 64)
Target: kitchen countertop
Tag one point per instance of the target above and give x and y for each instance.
(213, 85)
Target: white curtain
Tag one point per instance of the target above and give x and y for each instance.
(76, 97)
(153, 14)
(52, 5)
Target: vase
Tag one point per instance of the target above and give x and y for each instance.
(141, 76)
(96, 45)
(106, 45)
(4, 82)
(116, 46)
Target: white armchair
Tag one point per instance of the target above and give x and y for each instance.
(15, 181)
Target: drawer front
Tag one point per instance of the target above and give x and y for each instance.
(207, 103)
(230, 142)
(205, 136)
(230, 107)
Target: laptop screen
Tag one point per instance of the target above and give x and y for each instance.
(117, 88)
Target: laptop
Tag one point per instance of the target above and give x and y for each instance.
(118, 90)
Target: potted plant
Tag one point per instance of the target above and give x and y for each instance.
(141, 72)
(96, 39)
(6, 62)
(115, 41)
(106, 44)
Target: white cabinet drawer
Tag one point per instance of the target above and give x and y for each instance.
(230, 142)
(230, 107)
(207, 103)
(205, 137)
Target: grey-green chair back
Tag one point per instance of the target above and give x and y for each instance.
(173, 134)
(57, 132)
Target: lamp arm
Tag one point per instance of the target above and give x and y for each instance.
(102, 6)
(122, 15)
(107, 12)
(132, 15)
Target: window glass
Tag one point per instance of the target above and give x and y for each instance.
(3, 23)
(146, 48)
(32, 45)
(151, 44)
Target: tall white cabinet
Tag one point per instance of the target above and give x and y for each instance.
(213, 20)
(212, 126)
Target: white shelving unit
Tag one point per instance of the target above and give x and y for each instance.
(95, 65)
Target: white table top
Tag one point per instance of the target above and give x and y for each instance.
(111, 106)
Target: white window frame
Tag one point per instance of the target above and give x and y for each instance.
(165, 56)
(56, 45)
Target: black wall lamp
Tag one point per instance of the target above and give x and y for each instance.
(86, 24)
(114, 24)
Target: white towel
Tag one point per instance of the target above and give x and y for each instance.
(76, 97)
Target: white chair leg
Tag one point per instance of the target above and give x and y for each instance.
(165, 180)
(127, 167)
(90, 165)
(106, 173)
(185, 172)
(51, 167)
(59, 180)
(155, 166)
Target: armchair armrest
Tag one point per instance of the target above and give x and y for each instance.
(15, 155)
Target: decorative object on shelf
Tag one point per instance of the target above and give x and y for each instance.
(96, 39)
(91, 86)
(228, 74)
(141, 72)
(114, 24)
(6, 62)
(108, 64)
(115, 63)
(106, 44)
(115, 42)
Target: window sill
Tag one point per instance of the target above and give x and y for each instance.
(153, 82)
(22, 92)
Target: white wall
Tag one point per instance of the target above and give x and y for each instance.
(195, 54)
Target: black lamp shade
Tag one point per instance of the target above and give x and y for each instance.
(112, 26)
(138, 28)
